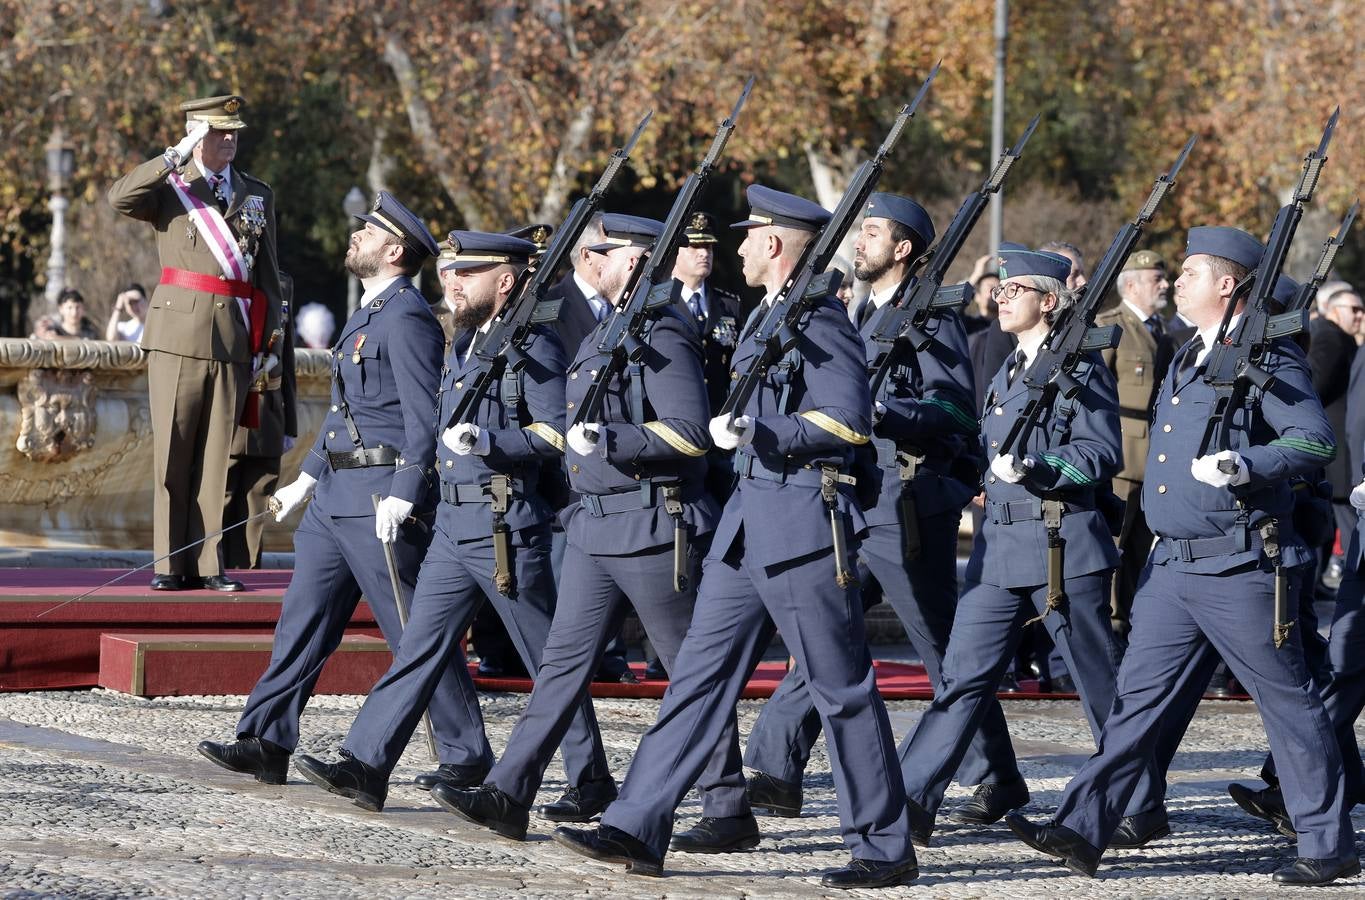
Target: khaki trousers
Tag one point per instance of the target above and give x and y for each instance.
(195, 405)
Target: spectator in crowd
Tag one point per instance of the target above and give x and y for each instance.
(981, 311)
(315, 326)
(1076, 278)
(70, 321)
(1332, 348)
(132, 303)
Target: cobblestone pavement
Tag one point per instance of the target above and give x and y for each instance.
(103, 795)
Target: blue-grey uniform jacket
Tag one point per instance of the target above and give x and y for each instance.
(1076, 453)
(388, 362)
(523, 415)
(812, 409)
(1280, 433)
(664, 442)
(929, 402)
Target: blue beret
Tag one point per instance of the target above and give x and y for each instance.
(627, 231)
(770, 207)
(1229, 243)
(905, 211)
(476, 249)
(395, 218)
(1010, 245)
(1014, 263)
(1285, 289)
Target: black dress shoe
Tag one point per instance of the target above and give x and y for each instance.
(774, 796)
(582, 803)
(1061, 684)
(1140, 830)
(453, 775)
(871, 873)
(1008, 684)
(1059, 841)
(991, 801)
(221, 583)
(487, 806)
(350, 778)
(716, 835)
(1267, 804)
(921, 823)
(251, 756)
(1317, 871)
(168, 582)
(655, 671)
(612, 845)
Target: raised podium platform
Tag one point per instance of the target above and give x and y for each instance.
(45, 645)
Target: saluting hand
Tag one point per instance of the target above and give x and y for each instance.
(182, 150)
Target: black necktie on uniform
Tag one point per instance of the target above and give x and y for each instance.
(1016, 366)
(1155, 326)
(1191, 354)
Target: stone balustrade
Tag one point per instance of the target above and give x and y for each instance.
(76, 453)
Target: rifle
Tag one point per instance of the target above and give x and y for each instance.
(1233, 366)
(504, 343)
(647, 289)
(898, 327)
(651, 286)
(1309, 290)
(778, 331)
(1072, 336)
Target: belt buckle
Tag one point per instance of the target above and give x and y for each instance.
(593, 504)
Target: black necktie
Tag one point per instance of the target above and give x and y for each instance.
(1016, 366)
(1154, 325)
(1191, 354)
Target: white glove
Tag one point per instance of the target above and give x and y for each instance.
(727, 436)
(582, 438)
(878, 412)
(466, 438)
(392, 512)
(182, 150)
(1205, 469)
(1358, 497)
(292, 495)
(262, 363)
(1007, 470)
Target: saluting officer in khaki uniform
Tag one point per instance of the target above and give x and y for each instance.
(1139, 364)
(210, 317)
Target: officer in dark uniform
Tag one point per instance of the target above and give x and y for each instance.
(377, 439)
(1210, 585)
(638, 475)
(925, 436)
(772, 560)
(490, 473)
(1064, 463)
(254, 472)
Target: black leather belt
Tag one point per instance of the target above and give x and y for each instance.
(1239, 540)
(363, 459)
(456, 494)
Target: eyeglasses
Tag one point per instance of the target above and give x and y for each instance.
(1353, 310)
(1012, 290)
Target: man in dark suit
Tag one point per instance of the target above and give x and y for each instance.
(581, 306)
(1332, 349)
(1139, 363)
(714, 309)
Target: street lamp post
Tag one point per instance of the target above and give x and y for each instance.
(61, 163)
(354, 205)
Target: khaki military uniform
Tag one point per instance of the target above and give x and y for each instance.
(1139, 364)
(199, 356)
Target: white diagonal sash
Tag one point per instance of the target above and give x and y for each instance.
(218, 236)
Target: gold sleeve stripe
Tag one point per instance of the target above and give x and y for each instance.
(833, 426)
(547, 433)
(674, 439)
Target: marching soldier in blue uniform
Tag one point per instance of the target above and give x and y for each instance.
(772, 561)
(1210, 586)
(1066, 462)
(639, 477)
(490, 511)
(377, 439)
(925, 436)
